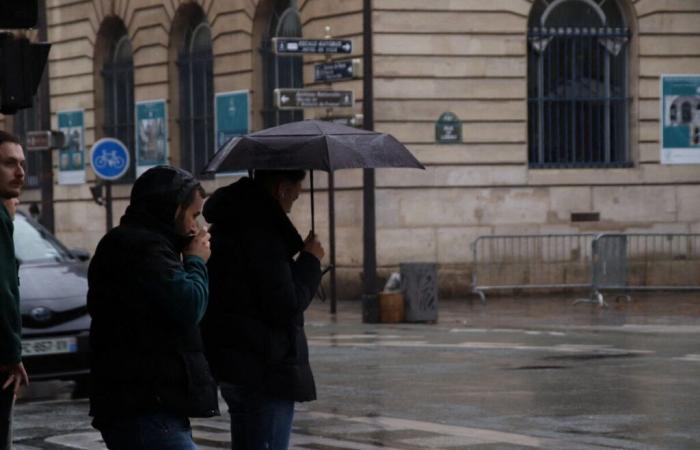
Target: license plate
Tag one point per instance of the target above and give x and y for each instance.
(49, 346)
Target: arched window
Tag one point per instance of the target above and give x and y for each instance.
(26, 120)
(578, 104)
(118, 82)
(281, 71)
(196, 98)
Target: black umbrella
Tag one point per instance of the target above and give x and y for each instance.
(311, 145)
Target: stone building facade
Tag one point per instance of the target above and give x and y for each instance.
(484, 61)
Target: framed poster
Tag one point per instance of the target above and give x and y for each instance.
(680, 119)
(232, 111)
(71, 158)
(151, 135)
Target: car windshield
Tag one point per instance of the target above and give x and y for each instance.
(34, 245)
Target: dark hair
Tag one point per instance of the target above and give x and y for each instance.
(8, 137)
(270, 177)
(190, 196)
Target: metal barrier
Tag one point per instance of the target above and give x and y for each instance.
(554, 261)
(627, 262)
(604, 262)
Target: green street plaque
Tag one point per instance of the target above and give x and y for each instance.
(448, 129)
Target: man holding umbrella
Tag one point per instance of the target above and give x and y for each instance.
(262, 278)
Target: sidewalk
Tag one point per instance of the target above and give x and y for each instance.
(646, 308)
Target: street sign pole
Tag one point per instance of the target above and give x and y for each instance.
(109, 210)
(331, 209)
(329, 99)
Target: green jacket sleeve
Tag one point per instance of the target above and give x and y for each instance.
(10, 318)
(179, 290)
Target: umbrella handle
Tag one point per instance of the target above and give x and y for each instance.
(313, 221)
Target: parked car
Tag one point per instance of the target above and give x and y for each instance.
(55, 321)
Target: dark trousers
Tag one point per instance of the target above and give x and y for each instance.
(7, 399)
(158, 431)
(257, 421)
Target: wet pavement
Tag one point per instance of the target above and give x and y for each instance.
(516, 373)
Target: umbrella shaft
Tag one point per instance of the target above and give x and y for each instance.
(313, 221)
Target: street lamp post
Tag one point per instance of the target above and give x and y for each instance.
(370, 308)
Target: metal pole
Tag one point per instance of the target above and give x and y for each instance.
(331, 238)
(313, 215)
(46, 165)
(108, 205)
(331, 212)
(370, 309)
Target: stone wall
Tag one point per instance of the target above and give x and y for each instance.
(468, 57)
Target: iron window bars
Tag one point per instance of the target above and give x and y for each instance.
(577, 88)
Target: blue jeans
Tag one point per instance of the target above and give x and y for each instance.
(257, 421)
(158, 431)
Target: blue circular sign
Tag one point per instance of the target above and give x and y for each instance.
(109, 159)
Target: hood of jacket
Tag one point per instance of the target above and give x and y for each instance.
(245, 204)
(155, 198)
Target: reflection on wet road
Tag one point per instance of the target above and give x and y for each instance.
(536, 374)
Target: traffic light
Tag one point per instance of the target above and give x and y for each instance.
(21, 66)
(18, 14)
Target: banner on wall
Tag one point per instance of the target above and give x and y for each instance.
(232, 112)
(151, 135)
(71, 158)
(680, 119)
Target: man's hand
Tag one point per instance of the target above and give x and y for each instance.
(199, 245)
(17, 376)
(313, 246)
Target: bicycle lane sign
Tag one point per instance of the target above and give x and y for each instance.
(109, 159)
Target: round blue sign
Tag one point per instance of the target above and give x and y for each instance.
(109, 159)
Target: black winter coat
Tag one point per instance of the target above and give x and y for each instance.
(254, 326)
(146, 302)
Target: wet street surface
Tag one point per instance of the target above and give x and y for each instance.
(512, 374)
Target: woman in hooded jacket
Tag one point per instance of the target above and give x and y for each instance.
(263, 276)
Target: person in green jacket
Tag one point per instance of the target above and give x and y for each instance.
(12, 373)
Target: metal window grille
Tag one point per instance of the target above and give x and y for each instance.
(27, 120)
(281, 71)
(119, 122)
(577, 89)
(195, 64)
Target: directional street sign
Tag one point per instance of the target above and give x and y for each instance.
(109, 159)
(308, 98)
(349, 121)
(337, 70)
(45, 140)
(298, 46)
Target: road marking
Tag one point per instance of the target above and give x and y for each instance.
(690, 357)
(90, 440)
(567, 348)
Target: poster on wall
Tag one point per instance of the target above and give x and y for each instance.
(151, 135)
(680, 119)
(71, 158)
(231, 115)
(232, 111)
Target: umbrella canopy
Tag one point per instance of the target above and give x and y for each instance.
(312, 145)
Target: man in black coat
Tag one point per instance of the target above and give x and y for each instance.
(254, 326)
(148, 291)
